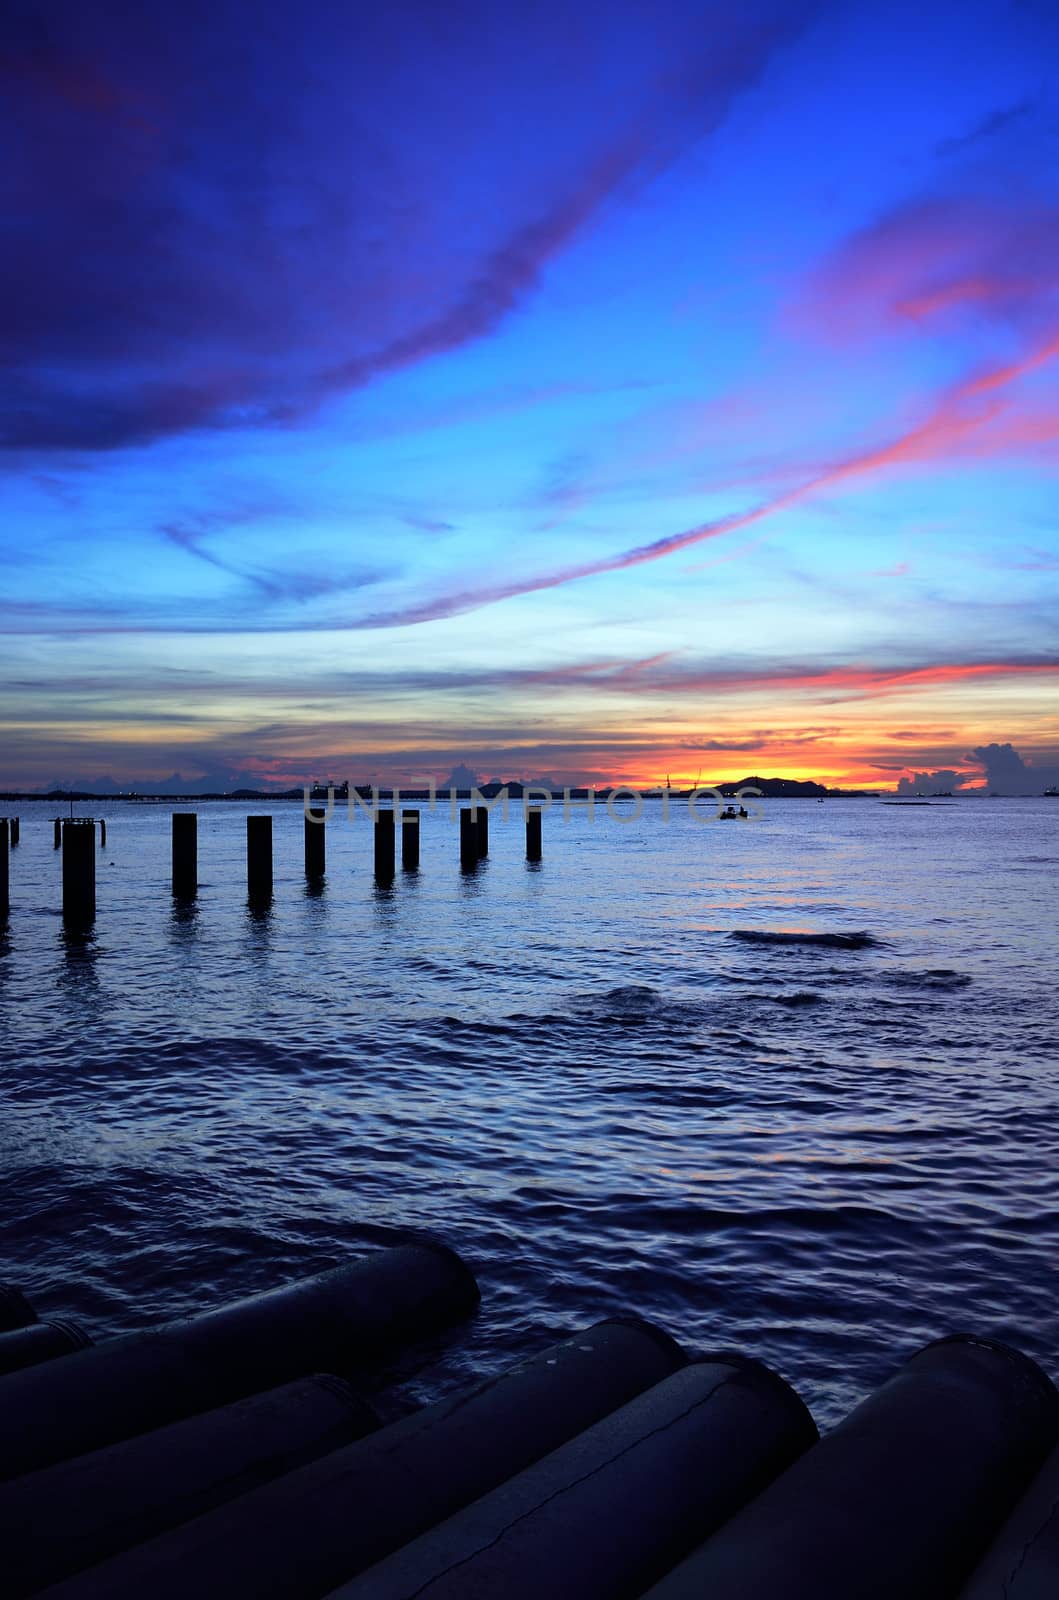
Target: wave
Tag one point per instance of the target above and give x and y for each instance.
(929, 978)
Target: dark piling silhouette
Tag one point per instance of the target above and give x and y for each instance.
(185, 854)
(259, 857)
(468, 839)
(79, 869)
(315, 843)
(385, 846)
(410, 840)
(533, 834)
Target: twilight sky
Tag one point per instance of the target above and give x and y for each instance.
(590, 392)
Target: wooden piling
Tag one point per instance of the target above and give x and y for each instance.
(385, 846)
(468, 839)
(58, 832)
(185, 854)
(533, 834)
(79, 868)
(16, 830)
(315, 842)
(481, 818)
(410, 840)
(5, 901)
(102, 833)
(259, 857)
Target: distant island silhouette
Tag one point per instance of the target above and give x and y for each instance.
(769, 788)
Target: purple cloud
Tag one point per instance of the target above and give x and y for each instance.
(222, 224)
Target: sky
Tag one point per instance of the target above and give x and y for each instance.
(599, 393)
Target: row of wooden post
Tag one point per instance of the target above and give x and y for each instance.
(60, 823)
(77, 838)
(474, 845)
(77, 835)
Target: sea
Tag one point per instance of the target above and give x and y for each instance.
(611, 1079)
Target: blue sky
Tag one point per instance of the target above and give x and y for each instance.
(653, 388)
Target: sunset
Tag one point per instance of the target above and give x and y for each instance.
(511, 515)
(507, 389)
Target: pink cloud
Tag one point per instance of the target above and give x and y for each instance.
(933, 259)
(972, 418)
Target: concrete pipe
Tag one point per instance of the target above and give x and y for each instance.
(331, 1323)
(1022, 1563)
(41, 1341)
(313, 1529)
(72, 1515)
(609, 1512)
(15, 1309)
(900, 1499)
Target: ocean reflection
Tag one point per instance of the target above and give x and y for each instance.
(81, 952)
(814, 1153)
(185, 914)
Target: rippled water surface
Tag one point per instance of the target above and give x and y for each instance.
(822, 1154)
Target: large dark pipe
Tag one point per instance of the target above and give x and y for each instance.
(41, 1341)
(15, 1309)
(331, 1322)
(57, 1522)
(313, 1529)
(897, 1502)
(606, 1514)
(1022, 1563)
